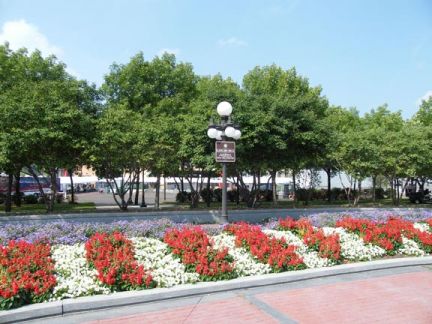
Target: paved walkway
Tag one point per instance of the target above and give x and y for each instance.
(400, 295)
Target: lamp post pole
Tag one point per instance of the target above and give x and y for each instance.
(225, 149)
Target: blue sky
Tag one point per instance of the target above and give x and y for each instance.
(362, 53)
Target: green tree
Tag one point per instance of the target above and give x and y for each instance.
(116, 153)
(280, 117)
(43, 127)
(160, 90)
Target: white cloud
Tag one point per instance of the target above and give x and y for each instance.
(174, 51)
(426, 96)
(19, 33)
(232, 41)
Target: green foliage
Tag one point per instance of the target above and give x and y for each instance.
(183, 197)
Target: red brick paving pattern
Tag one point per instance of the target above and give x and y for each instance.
(233, 310)
(404, 298)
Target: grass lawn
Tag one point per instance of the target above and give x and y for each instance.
(58, 208)
(26, 209)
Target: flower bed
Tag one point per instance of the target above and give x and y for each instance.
(60, 261)
(113, 256)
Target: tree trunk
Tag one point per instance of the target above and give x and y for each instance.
(143, 203)
(328, 172)
(136, 185)
(398, 192)
(274, 188)
(421, 184)
(157, 194)
(294, 189)
(8, 202)
(237, 192)
(122, 204)
(392, 190)
(41, 190)
(72, 186)
(257, 190)
(53, 180)
(165, 188)
(358, 195)
(18, 196)
(374, 189)
(130, 190)
(208, 198)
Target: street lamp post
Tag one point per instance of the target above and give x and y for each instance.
(224, 133)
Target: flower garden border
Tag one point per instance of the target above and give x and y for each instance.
(89, 303)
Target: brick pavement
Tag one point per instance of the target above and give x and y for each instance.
(403, 298)
(399, 298)
(232, 310)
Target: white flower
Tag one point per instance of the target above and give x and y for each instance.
(423, 227)
(410, 247)
(74, 277)
(353, 247)
(244, 263)
(165, 268)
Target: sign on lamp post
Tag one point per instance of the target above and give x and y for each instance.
(225, 152)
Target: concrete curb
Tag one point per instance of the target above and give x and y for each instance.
(83, 304)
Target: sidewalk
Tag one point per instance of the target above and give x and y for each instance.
(390, 295)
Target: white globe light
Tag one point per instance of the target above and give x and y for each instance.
(230, 131)
(237, 134)
(224, 109)
(219, 135)
(212, 132)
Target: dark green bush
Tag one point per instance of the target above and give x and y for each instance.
(232, 195)
(183, 197)
(217, 194)
(302, 194)
(30, 199)
(266, 195)
(379, 193)
(338, 194)
(206, 195)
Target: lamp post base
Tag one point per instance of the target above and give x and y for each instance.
(223, 219)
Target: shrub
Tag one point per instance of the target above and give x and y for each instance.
(206, 194)
(302, 194)
(232, 195)
(379, 193)
(2, 198)
(217, 194)
(183, 197)
(338, 194)
(59, 197)
(266, 195)
(30, 199)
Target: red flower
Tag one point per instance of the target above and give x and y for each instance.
(196, 251)
(279, 255)
(26, 272)
(326, 246)
(387, 235)
(113, 257)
